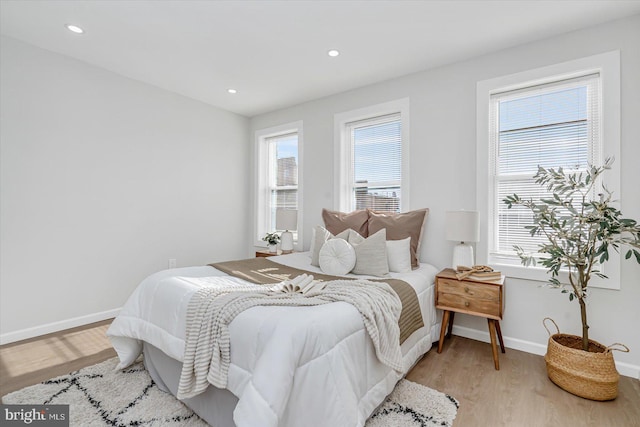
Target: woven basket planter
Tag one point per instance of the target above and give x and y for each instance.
(590, 374)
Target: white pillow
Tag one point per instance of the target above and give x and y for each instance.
(371, 253)
(337, 257)
(399, 255)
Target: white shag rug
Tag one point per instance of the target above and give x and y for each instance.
(99, 396)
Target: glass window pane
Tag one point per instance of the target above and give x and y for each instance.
(377, 152)
(379, 199)
(553, 126)
(377, 163)
(287, 160)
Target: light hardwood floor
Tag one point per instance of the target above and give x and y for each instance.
(38, 359)
(518, 395)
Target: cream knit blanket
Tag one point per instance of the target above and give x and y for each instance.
(211, 310)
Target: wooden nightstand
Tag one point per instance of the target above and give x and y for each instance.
(475, 297)
(266, 253)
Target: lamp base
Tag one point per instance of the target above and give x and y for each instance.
(462, 255)
(286, 242)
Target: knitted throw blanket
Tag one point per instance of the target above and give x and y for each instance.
(211, 310)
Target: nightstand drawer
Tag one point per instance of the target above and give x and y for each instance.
(468, 297)
(469, 304)
(469, 289)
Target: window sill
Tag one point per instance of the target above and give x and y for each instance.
(540, 274)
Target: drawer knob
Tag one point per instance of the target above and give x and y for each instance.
(466, 303)
(466, 289)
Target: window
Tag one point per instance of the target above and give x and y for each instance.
(372, 161)
(551, 125)
(552, 117)
(278, 154)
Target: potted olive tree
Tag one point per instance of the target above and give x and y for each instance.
(580, 231)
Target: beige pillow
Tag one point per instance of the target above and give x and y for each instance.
(344, 235)
(400, 226)
(371, 253)
(321, 235)
(336, 222)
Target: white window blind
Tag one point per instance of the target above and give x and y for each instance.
(376, 167)
(282, 176)
(553, 125)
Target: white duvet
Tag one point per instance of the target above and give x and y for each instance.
(290, 366)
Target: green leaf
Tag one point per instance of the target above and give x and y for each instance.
(571, 296)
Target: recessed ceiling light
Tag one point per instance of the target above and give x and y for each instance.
(333, 53)
(74, 28)
(232, 91)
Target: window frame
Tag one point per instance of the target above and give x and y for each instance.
(263, 162)
(607, 65)
(343, 149)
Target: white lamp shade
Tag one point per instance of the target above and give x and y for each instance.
(463, 226)
(286, 219)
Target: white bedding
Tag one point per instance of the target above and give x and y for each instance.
(289, 365)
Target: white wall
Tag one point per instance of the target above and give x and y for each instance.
(443, 168)
(103, 180)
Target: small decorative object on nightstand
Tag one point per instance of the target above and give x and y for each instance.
(286, 219)
(463, 227)
(272, 240)
(470, 295)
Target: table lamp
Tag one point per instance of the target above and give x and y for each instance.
(463, 227)
(286, 219)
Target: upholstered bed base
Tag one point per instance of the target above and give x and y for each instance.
(214, 405)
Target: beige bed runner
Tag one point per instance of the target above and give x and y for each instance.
(264, 271)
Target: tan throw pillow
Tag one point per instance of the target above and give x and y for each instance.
(337, 222)
(400, 226)
(371, 253)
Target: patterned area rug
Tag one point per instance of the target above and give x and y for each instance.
(100, 396)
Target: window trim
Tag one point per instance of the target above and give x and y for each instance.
(262, 187)
(608, 66)
(343, 152)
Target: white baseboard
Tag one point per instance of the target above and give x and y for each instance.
(626, 369)
(48, 328)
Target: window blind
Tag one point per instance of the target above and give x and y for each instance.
(376, 162)
(553, 125)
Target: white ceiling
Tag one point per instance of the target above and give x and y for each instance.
(274, 52)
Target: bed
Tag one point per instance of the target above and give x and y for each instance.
(289, 366)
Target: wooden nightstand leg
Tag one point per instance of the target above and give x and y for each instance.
(494, 347)
(443, 328)
(450, 327)
(499, 331)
